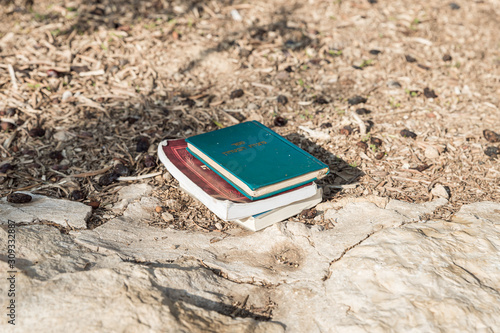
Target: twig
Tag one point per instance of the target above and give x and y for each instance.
(93, 73)
(239, 309)
(362, 126)
(6, 151)
(26, 187)
(340, 187)
(12, 76)
(411, 180)
(9, 140)
(261, 85)
(149, 175)
(234, 120)
(91, 173)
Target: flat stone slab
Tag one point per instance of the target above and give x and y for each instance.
(375, 269)
(282, 253)
(130, 193)
(64, 287)
(63, 212)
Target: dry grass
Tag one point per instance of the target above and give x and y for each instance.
(149, 70)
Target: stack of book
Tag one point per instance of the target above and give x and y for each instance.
(245, 173)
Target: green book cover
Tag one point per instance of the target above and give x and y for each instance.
(255, 159)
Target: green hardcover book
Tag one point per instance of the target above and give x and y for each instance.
(256, 160)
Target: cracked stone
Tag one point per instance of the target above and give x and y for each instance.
(431, 152)
(441, 191)
(63, 212)
(166, 297)
(167, 217)
(130, 193)
(370, 267)
(142, 210)
(408, 277)
(415, 211)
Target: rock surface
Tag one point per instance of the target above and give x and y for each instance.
(378, 268)
(130, 193)
(41, 208)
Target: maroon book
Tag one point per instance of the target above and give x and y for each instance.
(202, 176)
(216, 193)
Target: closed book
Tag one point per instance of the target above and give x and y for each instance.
(255, 159)
(262, 220)
(216, 193)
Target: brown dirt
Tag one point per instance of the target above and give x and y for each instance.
(143, 71)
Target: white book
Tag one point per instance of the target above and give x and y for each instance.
(214, 192)
(260, 221)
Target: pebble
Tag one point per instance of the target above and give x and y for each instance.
(363, 111)
(429, 93)
(167, 217)
(172, 204)
(491, 136)
(346, 130)
(252, 106)
(36, 132)
(114, 69)
(454, 6)
(149, 161)
(79, 69)
(375, 52)
(376, 142)
(94, 204)
(308, 213)
(56, 155)
(108, 178)
(61, 136)
(394, 84)
(283, 75)
(356, 100)
(67, 94)
(408, 134)
(492, 151)
(167, 176)
(122, 170)
(5, 167)
(76, 195)
(142, 144)
(236, 93)
(321, 100)
(19, 198)
(446, 57)
(282, 99)
(236, 15)
(421, 167)
(280, 121)
(431, 152)
(409, 58)
(362, 145)
(441, 191)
